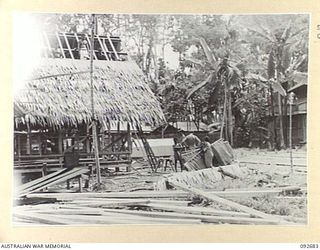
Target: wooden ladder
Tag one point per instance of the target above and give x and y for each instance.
(150, 155)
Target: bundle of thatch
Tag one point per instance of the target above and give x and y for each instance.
(58, 93)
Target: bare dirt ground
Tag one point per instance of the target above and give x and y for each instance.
(264, 172)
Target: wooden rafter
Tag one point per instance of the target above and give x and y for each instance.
(60, 45)
(103, 48)
(113, 48)
(68, 45)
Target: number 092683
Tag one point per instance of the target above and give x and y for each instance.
(309, 246)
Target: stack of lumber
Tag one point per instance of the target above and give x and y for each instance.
(50, 180)
(148, 207)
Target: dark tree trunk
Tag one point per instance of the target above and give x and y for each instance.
(274, 121)
(229, 117)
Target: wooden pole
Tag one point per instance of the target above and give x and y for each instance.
(88, 139)
(94, 124)
(39, 143)
(129, 139)
(28, 139)
(291, 97)
(18, 138)
(60, 142)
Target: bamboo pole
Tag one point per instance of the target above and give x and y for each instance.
(94, 124)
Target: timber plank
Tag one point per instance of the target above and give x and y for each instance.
(39, 180)
(197, 210)
(66, 176)
(105, 218)
(203, 218)
(229, 203)
(164, 194)
(45, 182)
(38, 218)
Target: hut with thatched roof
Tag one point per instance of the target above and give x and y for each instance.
(53, 113)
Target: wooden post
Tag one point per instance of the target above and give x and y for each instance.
(291, 97)
(61, 162)
(118, 143)
(28, 139)
(80, 183)
(90, 170)
(44, 169)
(96, 150)
(60, 142)
(18, 138)
(112, 143)
(39, 143)
(88, 140)
(129, 139)
(102, 141)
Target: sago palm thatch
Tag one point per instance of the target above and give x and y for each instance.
(58, 94)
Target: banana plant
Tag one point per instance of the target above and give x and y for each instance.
(281, 65)
(221, 71)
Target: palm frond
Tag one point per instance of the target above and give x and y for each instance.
(209, 54)
(261, 35)
(200, 85)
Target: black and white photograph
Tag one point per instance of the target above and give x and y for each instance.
(153, 119)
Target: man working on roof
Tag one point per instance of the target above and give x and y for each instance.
(191, 141)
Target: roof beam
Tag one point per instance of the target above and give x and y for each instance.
(113, 48)
(103, 48)
(68, 45)
(60, 45)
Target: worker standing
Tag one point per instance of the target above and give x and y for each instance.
(177, 149)
(207, 152)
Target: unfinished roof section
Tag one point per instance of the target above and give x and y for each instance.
(77, 46)
(58, 93)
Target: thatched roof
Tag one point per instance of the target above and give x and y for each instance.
(58, 93)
